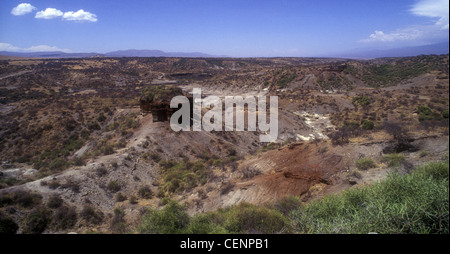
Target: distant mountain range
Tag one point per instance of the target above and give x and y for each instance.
(120, 53)
(436, 49)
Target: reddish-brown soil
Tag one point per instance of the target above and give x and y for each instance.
(291, 170)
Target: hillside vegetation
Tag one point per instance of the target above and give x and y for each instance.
(85, 146)
(416, 203)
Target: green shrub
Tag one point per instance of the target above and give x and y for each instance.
(424, 110)
(445, 114)
(172, 219)
(400, 204)
(101, 117)
(361, 100)
(425, 113)
(285, 80)
(65, 217)
(91, 215)
(394, 159)
(367, 125)
(437, 171)
(217, 163)
(93, 126)
(250, 219)
(26, 199)
(180, 176)
(203, 224)
(145, 192)
(37, 220)
(85, 134)
(113, 186)
(365, 163)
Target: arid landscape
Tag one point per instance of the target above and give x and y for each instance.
(80, 154)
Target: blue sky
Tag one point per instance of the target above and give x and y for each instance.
(240, 28)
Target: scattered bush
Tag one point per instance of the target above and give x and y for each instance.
(401, 138)
(101, 171)
(361, 100)
(227, 187)
(285, 80)
(445, 114)
(365, 163)
(367, 125)
(342, 135)
(120, 197)
(54, 202)
(118, 224)
(133, 200)
(145, 192)
(93, 126)
(71, 184)
(180, 176)
(91, 215)
(65, 217)
(101, 118)
(393, 160)
(113, 186)
(23, 199)
(37, 220)
(426, 113)
(84, 134)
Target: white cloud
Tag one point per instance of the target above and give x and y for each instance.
(49, 13)
(44, 48)
(22, 9)
(39, 48)
(399, 35)
(438, 9)
(80, 15)
(434, 9)
(8, 47)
